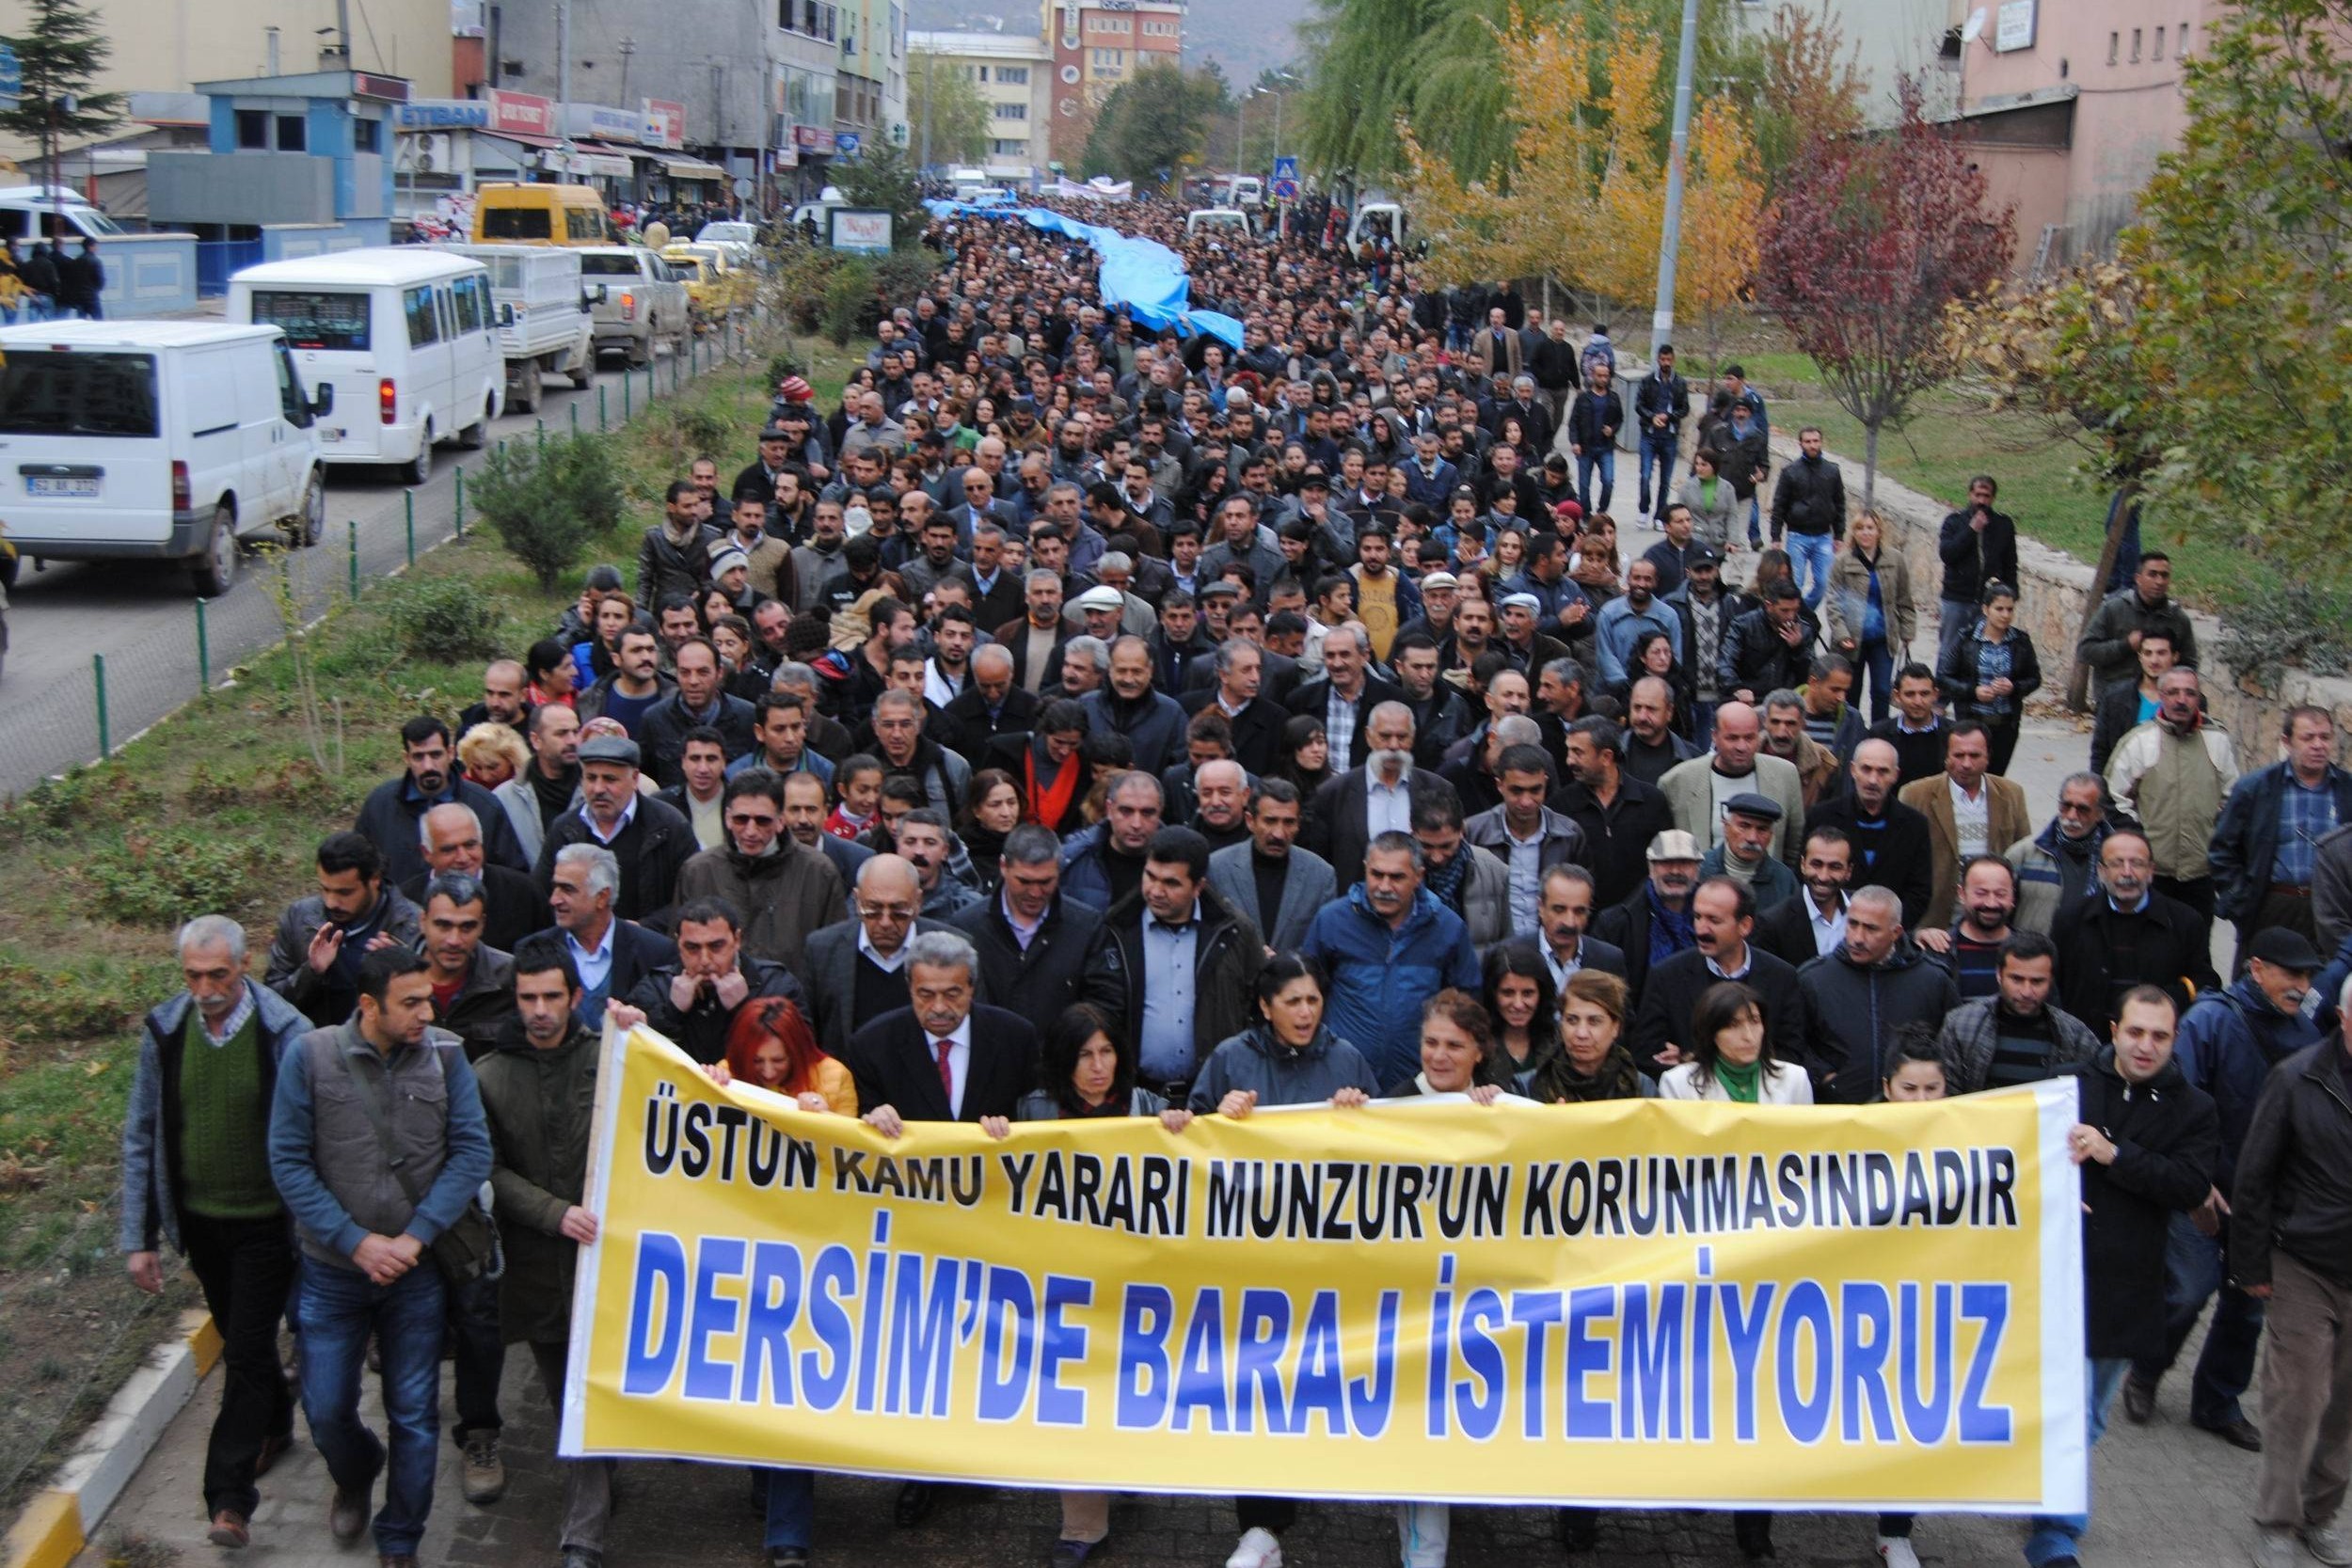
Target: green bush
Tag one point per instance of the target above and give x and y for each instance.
(848, 301)
(782, 365)
(87, 1001)
(546, 499)
(442, 620)
(2297, 625)
(100, 795)
(170, 875)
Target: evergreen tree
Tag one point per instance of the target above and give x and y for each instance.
(58, 58)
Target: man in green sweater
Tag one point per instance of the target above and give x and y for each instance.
(196, 1173)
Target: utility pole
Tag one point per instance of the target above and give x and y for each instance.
(1662, 321)
(929, 64)
(564, 83)
(628, 47)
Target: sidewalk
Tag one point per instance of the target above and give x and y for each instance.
(2165, 1496)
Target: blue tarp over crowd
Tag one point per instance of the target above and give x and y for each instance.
(1144, 275)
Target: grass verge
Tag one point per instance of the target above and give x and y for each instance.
(218, 809)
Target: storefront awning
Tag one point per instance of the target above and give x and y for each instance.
(691, 168)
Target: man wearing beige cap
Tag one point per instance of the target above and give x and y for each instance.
(1653, 923)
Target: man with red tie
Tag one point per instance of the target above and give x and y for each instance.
(940, 1059)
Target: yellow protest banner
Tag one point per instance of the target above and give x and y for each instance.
(1633, 1303)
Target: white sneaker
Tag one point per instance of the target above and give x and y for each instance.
(1895, 1551)
(1258, 1549)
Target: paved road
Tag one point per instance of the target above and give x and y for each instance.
(2164, 1496)
(141, 615)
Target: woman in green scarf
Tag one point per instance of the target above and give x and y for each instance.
(1733, 1055)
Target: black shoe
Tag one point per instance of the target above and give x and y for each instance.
(2239, 1434)
(576, 1558)
(1578, 1529)
(1754, 1532)
(2140, 1400)
(916, 1499)
(1071, 1554)
(347, 1515)
(787, 1557)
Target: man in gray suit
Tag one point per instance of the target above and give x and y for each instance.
(1271, 869)
(857, 968)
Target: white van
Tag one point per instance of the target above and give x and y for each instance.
(1216, 220)
(156, 441)
(26, 210)
(408, 337)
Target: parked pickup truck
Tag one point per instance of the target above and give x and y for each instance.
(544, 324)
(635, 300)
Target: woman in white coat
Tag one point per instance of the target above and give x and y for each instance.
(1733, 1059)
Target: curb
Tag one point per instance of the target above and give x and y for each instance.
(59, 1519)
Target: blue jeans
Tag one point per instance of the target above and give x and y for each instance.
(2057, 1535)
(1810, 556)
(791, 1508)
(1956, 619)
(1756, 523)
(340, 1306)
(2195, 1268)
(1874, 660)
(1605, 460)
(1659, 447)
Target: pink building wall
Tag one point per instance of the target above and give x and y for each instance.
(2116, 65)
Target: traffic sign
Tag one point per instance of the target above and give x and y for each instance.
(845, 143)
(1286, 169)
(1285, 189)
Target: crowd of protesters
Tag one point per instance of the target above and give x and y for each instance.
(1079, 720)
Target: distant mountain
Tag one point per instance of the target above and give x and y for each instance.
(1244, 37)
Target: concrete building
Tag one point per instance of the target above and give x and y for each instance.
(871, 81)
(1013, 74)
(1885, 39)
(2070, 106)
(168, 46)
(1097, 45)
(757, 82)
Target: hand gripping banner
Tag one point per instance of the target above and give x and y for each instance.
(1635, 1303)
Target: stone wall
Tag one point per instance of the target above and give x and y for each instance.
(2050, 610)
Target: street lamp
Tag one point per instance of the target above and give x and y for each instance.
(1281, 213)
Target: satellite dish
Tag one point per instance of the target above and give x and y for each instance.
(1973, 29)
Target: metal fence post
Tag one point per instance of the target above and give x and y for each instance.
(408, 507)
(461, 500)
(539, 427)
(203, 652)
(354, 526)
(97, 672)
(574, 419)
(603, 421)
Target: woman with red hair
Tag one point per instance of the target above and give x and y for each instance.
(771, 1047)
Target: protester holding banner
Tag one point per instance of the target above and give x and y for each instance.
(1287, 1058)
(1086, 1069)
(1732, 1056)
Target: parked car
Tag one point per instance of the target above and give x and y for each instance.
(407, 336)
(157, 440)
(635, 300)
(543, 317)
(505, 213)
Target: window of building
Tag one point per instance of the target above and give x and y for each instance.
(253, 130)
(366, 135)
(1109, 59)
(2135, 32)
(293, 134)
(1013, 111)
(2180, 51)
(1013, 75)
(1008, 147)
(2159, 45)
(2115, 42)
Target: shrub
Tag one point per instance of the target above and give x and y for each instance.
(165, 876)
(98, 796)
(546, 499)
(83, 1001)
(783, 365)
(441, 620)
(2297, 625)
(848, 301)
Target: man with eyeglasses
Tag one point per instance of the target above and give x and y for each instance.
(857, 968)
(2055, 866)
(784, 892)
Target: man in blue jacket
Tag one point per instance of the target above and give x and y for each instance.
(1389, 946)
(378, 1142)
(2228, 1041)
(2265, 849)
